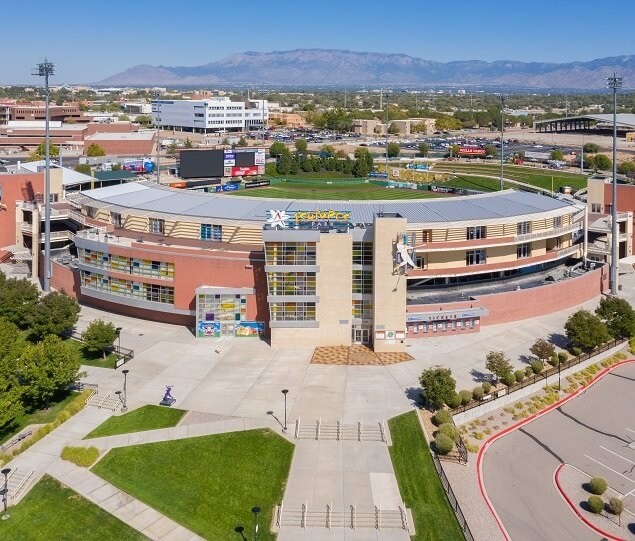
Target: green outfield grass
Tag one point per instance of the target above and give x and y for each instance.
(336, 191)
(473, 182)
(541, 178)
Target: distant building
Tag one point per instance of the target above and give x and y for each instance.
(219, 114)
(291, 120)
(69, 112)
(123, 144)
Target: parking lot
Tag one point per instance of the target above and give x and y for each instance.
(595, 432)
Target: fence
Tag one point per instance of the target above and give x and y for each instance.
(542, 377)
(123, 354)
(454, 504)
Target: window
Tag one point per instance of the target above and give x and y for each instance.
(292, 311)
(523, 228)
(211, 232)
(479, 232)
(523, 250)
(362, 281)
(222, 307)
(596, 208)
(127, 288)
(475, 257)
(115, 219)
(420, 261)
(290, 253)
(291, 283)
(362, 309)
(557, 221)
(362, 253)
(156, 225)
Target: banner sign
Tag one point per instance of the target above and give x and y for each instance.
(472, 151)
(257, 184)
(230, 187)
(229, 158)
(372, 174)
(309, 219)
(259, 157)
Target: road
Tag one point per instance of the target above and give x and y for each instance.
(592, 432)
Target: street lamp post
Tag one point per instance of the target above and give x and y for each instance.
(46, 69)
(157, 94)
(502, 98)
(284, 392)
(255, 511)
(5, 492)
(614, 83)
(125, 393)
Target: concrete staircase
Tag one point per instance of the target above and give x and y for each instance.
(17, 481)
(107, 400)
(339, 431)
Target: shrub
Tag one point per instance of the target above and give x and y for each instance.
(478, 393)
(487, 387)
(443, 444)
(449, 430)
(453, 401)
(82, 456)
(596, 504)
(576, 351)
(466, 397)
(563, 356)
(616, 506)
(631, 345)
(519, 375)
(598, 486)
(528, 371)
(536, 366)
(509, 379)
(442, 417)
(553, 360)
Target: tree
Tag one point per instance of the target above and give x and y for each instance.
(424, 149)
(39, 153)
(116, 167)
(590, 148)
(393, 129)
(56, 313)
(11, 345)
(454, 151)
(276, 149)
(284, 162)
(602, 162)
(491, 150)
(393, 150)
(242, 142)
(556, 155)
(95, 150)
(586, 330)
(301, 145)
(438, 385)
(542, 349)
(84, 168)
(618, 315)
(626, 167)
(172, 149)
(48, 367)
(187, 143)
(99, 336)
(498, 364)
(144, 120)
(445, 122)
(18, 299)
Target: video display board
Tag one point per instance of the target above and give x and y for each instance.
(222, 163)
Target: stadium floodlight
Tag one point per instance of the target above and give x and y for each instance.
(502, 98)
(46, 69)
(614, 83)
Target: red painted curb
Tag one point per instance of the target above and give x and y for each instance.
(575, 509)
(523, 422)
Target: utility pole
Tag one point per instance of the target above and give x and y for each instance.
(502, 98)
(156, 94)
(614, 83)
(387, 174)
(46, 69)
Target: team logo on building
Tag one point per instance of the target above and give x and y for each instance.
(278, 219)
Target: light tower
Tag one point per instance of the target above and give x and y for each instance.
(157, 95)
(615, 83)
(502, 98)
(46, 69)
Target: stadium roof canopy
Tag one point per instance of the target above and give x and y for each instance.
(624, 121)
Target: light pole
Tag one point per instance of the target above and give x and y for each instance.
(387, 175)
(255, 511)
(46, 69)
(502, 98)
(284, 392)
(5, 492)
(156, 94)
(124, 409)
(614, 83)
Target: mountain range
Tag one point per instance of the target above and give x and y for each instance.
(331, 67)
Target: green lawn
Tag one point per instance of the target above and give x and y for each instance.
(144, 418)
(92, 359)
(207, 484)
(335, 191)
(52, 512)
(541, 178)
(419, 483)
(42, 416)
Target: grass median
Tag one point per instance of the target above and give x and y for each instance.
(419, 483)
(51, 511)
(208, 484)
(144, 418)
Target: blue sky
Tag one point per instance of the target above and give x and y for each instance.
(89, 41)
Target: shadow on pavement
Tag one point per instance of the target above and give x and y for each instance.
(560, 410)
(541, 444)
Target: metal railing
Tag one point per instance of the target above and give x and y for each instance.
(123, 354)
(541, 377)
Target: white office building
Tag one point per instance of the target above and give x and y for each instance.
(214, 115)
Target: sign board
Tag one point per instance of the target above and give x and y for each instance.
(530, 155)
(373, 174)
(257, 184)
(472, 151)
(418, 166)
(229, 187)
(309, 219)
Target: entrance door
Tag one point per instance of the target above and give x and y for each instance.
(227, 329)
(361, 335)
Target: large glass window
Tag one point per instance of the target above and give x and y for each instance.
(291, 283)
(128, 265)
(156, 225)
(362, 309)
(128, 288)
(474, 233)
(523, 250)
(475, 257)
(292, 311)
(523, 228)
(362, 253)
(290, 253)
(362, 281)
(211, 232)
(222, 307)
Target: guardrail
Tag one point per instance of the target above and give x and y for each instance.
(123, 354)
(542, 377)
